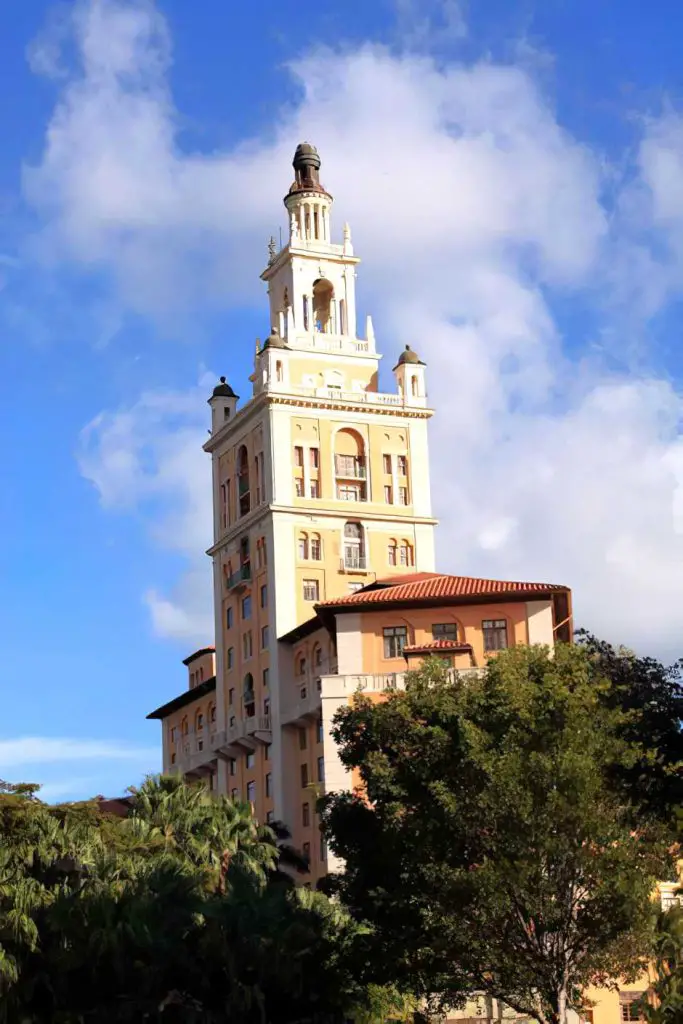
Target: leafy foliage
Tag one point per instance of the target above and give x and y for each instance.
(667, 990)
(489, 850)
(651, 696)
(173, 913)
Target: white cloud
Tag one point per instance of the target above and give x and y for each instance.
(149, 457)
(474, 210)
(43, 750)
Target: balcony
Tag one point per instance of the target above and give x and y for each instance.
(195, 761)
(379, 682)
(240, 577)
(352, 562)
(258, 727)
(303, 710)
(348, 468)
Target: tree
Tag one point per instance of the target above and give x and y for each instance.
(651, 695)
(667, 1005)
(489, 851)
(173, 914)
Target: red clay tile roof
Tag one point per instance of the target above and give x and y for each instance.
(441, 644)
(431, 587)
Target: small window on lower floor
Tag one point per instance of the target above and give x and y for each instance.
(311, 590)
(306, 850)
(234, 794)
(444, 631)
(269, 784)
(630, 1006)
(251, 792)
(270, 817)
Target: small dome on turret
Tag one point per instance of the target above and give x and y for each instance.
(408, 356)
(274, 340)
(306, 155)
(306, 164)
(223, 390)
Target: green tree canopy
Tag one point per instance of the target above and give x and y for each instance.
(490, 850)
(174, 913)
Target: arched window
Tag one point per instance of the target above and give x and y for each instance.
(243, 480)
(342, 317)
(406, 553)
(303, 545)
(350, 465)
(317, 655)
(392, 552)
(199, 722)
(301, 665)
(323, 306)
(315, 549)
(201, 675)
(413, 386)
(278, 371)
(306, 312)
(184, 728)
(354, 546)
(212, 713)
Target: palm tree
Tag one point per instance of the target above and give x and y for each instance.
(208, 831)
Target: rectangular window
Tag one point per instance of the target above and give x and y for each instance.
(319, 730)
(391, 554)
(246, 607)
(403, 495)
(302, 739)
(298, 455)
(266, 706)
(231, 657)
(233, 794)
(231, 696)
(321, 769)
(495, 634)
(304, 776)
(355, 586)
(388, 496)
(270, 817)
(299, 487)
(228, 617)
(629, 1010)
(315, 549)
(251, 792)
(269, 784)
(264, 637)
(232, 721)
(444, 631)
(315, 458)
(311, 590)
(315, 489)
(247, 646)
(306, 815)
(386, 462)
(264, 596)
(348, 492)
(303, 547)
(173, 734)
(250, 759)
(395, 638)
(232, 766)
(323, 848)
(402, 465)
(266, 752)
(265, 677)
(306, 850)
(172, 758)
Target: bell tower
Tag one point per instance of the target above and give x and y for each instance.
(321, 480)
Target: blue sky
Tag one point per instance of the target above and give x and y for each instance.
(513, 177)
